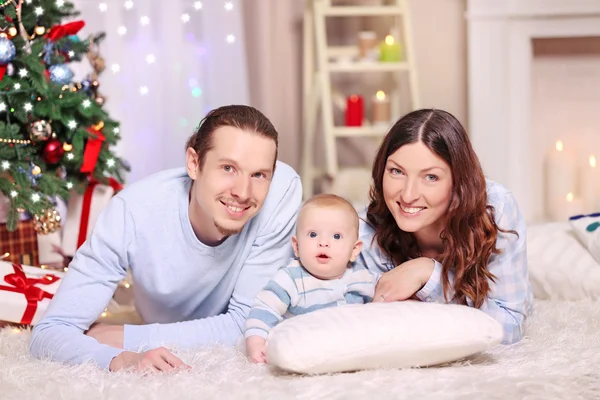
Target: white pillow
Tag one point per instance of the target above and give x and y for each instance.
(560, 267)
(588, 232)
(380, 335)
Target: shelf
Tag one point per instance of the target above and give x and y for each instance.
(354, 11)
(362, 131)
(367, 66)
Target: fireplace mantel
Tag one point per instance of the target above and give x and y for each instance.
(500, 54)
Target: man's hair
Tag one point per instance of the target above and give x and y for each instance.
(238, 116)
(328, 200)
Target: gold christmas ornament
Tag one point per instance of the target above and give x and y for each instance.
(98, 126)
(99, 100)
(67, 146)
(39, 30)
(40, 130)
(12, 31)
(36, 170)
(47, 222)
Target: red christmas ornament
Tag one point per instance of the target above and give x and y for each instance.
(53, 151)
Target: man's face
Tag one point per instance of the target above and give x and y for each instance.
(231, 186)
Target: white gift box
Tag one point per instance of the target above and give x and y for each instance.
(101, 195)
(26, 292)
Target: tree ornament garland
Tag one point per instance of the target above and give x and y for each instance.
(47, 222)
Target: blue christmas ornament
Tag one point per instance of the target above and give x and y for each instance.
(7, 51)
(61, 74)
(74, 38)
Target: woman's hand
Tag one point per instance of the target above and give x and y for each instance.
(404, 281)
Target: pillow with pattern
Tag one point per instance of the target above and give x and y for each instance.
(587, 228)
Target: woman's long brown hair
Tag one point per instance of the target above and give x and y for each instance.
(470, 234)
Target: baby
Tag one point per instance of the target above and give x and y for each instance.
(322, 275)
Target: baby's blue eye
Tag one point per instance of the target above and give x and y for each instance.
(337, 236)
(312, 234)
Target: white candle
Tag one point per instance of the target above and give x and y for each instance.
(380, 109)
(590, 185)
(561, 175)
(571, 206)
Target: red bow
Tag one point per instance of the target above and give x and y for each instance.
(60, 31)
(22, 284)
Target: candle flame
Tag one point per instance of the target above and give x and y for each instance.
(389, 40)
(559, 145)
(380, 95)
(593, 161)
(570, 197)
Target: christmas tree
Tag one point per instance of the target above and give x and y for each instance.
(55, 137)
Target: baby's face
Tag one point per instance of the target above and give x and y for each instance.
(326, 241)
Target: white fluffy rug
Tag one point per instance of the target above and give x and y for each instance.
(559, 359)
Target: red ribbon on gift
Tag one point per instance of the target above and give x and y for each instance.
(92, 150)
(22, 284)
(60, 31)
(87, 206)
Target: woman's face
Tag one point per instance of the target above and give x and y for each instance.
(417, 188)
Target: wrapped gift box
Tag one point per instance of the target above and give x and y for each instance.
(26, 292)
(22, 244)
(82, 213)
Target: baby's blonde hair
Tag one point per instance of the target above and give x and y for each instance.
(328, 200)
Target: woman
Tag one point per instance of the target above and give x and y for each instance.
(438, 230)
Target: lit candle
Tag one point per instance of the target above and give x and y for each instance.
(561, 175)
(590, 186)
(389, 50)
(380, 109)
(354, 110)
(570, 207)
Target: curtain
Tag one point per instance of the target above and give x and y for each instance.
(167, 64)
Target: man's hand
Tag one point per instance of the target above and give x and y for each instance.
(159, 359)
(256, 349)
(111, 335)
(404, 281)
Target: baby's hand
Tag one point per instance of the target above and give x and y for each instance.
(256, 349)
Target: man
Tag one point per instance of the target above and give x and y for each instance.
(200, 244)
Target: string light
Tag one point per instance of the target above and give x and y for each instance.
(72, 124)
(71, 53)
(5, 255)
(70, 156)
(22, 72)
(35, 197)
(115, 68)
(17, 86)
(60, 3)
(229, 6)
(39, 11)
(103, 7)
(28, 107)
(43, 266)
(122, 30)
(116, 130)
(16, 330)
(144, 20)
(65, 269)
(197, 5)
(2, 107)
(5, 165)
(69, 185)
(144, 90)
(150, 58)
(15, 141)
(86, 103)
(110, 162)
(129, 4)
(14, 193)
(230, 38)
(127, 285)
(185, 17)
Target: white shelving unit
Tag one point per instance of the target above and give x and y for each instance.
(318, 68)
